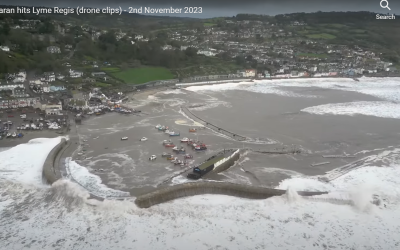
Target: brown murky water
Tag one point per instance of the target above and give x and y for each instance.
(263, 117)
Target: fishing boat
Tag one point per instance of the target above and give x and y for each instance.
(158, 126)
(124, 138)
(185, 139)
(175, 149)
(178, 162)
(143, 139)
(188, 156)
(170, 145)
(152, 158)
(166, 155)
(167, 142)
(174, 134)
(163, 128)
(14, 135)
(192, 130)
(200, 147)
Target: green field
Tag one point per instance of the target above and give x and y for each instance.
(334, 25)
(313, 55)
(209, 24)
(140, 75)
(321, 36)
(102, 85)
(358, 31)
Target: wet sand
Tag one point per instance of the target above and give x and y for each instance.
(260, 116)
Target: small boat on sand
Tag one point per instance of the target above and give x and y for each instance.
(185, 139)
(192, 130)
(124, 138)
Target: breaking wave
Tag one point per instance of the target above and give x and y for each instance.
(378, 109)
(64, 217)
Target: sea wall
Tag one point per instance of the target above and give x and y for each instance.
(198, 188)
(212, 126)
(212, 82)
(49, 172)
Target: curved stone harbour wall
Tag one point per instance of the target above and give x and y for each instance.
(198, 188)
(212, 126)
(49, 172)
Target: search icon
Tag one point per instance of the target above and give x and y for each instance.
(386, 6)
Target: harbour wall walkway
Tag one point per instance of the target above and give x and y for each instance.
(212, 82)
(212, 126)
(199, 188)
(50, 175)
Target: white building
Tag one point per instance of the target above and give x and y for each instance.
(167, 47)
(10, 86)
(250, 72)
(49, 77)
(54, 49)
(313, 69)
(52, 107)
(75, 74)
(206, 53)
(46, 88)
(5, 48)
(35, 82)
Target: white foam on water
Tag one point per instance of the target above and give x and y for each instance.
(62, 217)
(89, 181)
(378, 109)
(385, 88)
(24, 162)
(175, 92)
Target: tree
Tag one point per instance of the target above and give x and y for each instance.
(191, 52)
(240, 60)
(5, 29)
